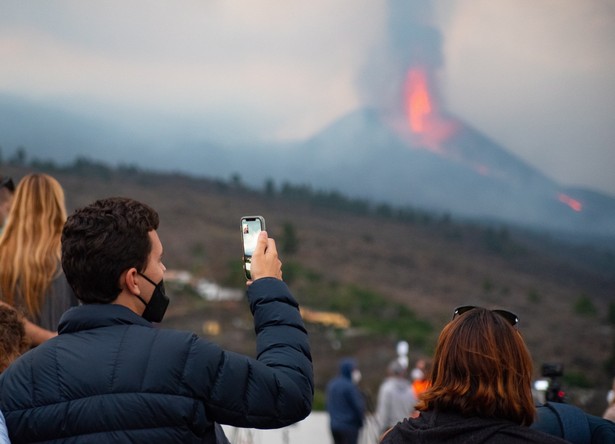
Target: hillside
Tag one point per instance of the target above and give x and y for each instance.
(394, 277)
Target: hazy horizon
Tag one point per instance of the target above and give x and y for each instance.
(536, 77)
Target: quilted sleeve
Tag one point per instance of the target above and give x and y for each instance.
(271, 391)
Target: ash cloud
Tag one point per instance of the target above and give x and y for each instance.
(411, 40)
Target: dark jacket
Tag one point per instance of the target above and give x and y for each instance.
(450, 428)
(345, 403)
(110, 376)
(573, 424)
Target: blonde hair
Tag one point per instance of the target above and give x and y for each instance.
(30, 242)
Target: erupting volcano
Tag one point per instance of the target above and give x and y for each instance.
(430, 128)
(404, 148)
(419, 102)
(433, 130)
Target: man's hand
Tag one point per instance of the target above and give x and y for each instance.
(265, 261)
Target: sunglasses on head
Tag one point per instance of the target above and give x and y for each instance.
(8, 183)
(512, 318)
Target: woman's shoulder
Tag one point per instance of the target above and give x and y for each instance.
(452, 428)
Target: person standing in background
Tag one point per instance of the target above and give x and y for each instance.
(419, 376)
(31, 277)
(345, 404)
(396, 398)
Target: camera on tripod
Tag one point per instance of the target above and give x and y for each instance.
(551, 386)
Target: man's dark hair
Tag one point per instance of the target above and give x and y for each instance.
(101, 241)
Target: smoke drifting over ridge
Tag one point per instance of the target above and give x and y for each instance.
(430, 158)
(411, 41)
(401, 79)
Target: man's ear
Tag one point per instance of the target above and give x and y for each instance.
(128, 281)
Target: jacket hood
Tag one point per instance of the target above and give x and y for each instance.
(347, 366)
(428, 428)
(451, 428)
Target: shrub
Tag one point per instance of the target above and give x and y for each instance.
(584, 306)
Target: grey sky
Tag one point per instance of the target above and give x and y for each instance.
(538, 76)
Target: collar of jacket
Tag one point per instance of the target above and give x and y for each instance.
(89, 316)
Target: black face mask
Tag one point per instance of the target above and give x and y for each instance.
(157, 305)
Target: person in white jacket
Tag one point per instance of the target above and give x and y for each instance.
(396, 398)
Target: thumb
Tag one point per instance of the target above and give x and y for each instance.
(261, 243)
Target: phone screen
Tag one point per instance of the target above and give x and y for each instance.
(251, 226)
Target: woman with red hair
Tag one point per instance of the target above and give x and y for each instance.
(480, 385)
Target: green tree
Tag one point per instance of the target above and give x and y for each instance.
(289, 241)
(269, 187)
(236, 181)
(19, 157)
(584, 306)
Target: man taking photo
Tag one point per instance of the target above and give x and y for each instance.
(111, 376)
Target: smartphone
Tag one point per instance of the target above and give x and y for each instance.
(250, 226)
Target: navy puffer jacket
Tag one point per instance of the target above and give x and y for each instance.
(110, 376)
(345, 403)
